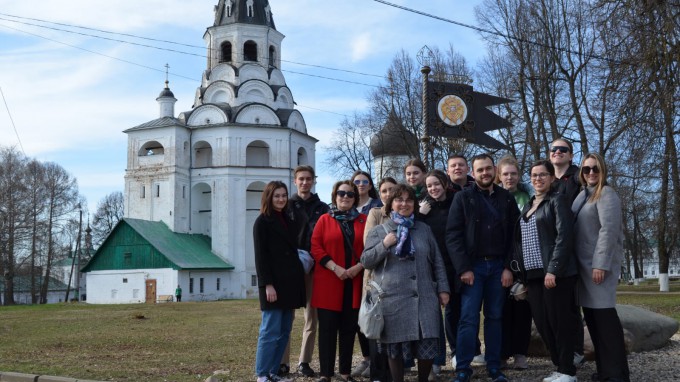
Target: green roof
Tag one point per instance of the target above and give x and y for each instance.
(135, 244)
(22, 284)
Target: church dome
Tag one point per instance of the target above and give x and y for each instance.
(166, 93)
(393, 139)
(256, 12)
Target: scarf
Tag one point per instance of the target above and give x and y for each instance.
(404, 223)
(344, 216)
(419, 189)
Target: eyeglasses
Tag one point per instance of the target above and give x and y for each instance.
(359, 182)
(540, 175)
(407, 201)
(587, 169)
(342, 194)
(562, 149)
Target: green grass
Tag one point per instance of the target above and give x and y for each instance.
(649, 286)
(164, 342)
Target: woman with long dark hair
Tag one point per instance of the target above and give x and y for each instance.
(544, 251)
(414, 173)
(368, 197)
(337, 244)
(280, 278)
(599, 251)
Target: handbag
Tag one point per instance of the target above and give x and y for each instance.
(371, 321)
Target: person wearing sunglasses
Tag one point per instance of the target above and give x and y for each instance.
(337, 244)
(567, 183)
(566, 173)
(598, 232)
(368, 197)
(544, 253)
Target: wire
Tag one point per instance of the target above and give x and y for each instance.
(499, 34)
(153, 39)
(12, 120)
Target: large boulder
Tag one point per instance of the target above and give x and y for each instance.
(642, 330)
(649, 330)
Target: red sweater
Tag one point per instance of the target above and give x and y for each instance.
(327, 240)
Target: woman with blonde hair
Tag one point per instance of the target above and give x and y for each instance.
(598, 231)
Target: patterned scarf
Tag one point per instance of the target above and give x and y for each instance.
(404, 223)
(343, 216)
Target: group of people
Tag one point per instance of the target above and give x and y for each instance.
(456, 240)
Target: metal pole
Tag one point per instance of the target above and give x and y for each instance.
(76, 293)
(426, 137)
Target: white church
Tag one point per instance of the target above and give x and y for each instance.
(194, 181)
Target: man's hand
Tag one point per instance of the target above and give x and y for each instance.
(506, 278)
(598, 276)
(467, 278)
(550, 281)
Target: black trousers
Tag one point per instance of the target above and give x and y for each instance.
(363, 343)
(607, 335)
(380, 368)
(555, 318)
(336, 329)
(516, 328)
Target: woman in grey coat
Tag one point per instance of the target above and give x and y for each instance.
(599, 249)
(414, 281)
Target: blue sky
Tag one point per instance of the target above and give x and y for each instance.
(72, 95)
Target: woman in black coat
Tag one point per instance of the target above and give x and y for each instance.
(280, 277)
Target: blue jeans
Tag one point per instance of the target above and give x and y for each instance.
(486, 288)
(273, 339)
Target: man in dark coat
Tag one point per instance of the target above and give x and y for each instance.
(479, 234)
(309, 207)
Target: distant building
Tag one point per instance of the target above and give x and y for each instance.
(392, 147)
(201, 174)
(56, 291)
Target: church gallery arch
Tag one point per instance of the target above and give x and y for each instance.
(257, 154)
(201, 209)
(225, 52)
(151, 148)
(202, 154)
(250, 51)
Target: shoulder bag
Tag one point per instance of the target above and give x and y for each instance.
(371, 321)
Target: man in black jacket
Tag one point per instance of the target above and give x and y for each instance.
(307, 205)
(479, 234)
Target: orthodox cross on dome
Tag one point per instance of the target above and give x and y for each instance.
(167, 67)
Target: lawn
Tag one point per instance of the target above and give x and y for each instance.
(163, 342)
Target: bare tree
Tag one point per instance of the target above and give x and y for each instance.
(110, 211)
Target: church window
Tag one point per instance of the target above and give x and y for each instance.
(151, 148)
(272, 57)
(142, 192)
(250, 51)
(218, 283)
(184, 192)
(226, 52)
(191, 285)
(200, 285)
(249, 5)
(228, 9)
(158, 190)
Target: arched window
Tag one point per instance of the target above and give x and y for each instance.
(226, 52)
(272, 57)
(151, 148)
(257, 154)
(250, 51)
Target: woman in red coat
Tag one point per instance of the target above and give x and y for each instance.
(337, 244)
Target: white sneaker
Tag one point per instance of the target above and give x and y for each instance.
(478, 360)
(552, 377)
(453, 362)
(360, 368)
(520, 362)
(565, 378)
